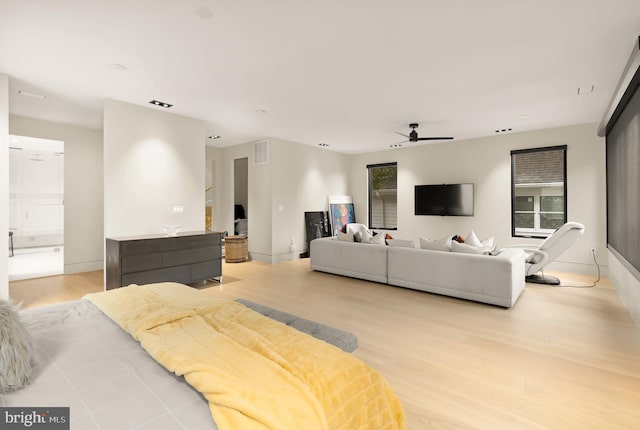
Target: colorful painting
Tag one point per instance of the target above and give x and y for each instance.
(342, 212)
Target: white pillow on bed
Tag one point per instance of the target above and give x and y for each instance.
(15, 350)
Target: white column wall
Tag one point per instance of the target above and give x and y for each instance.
(4, 183)
(297, 178)
(153, 160)
(258, 209)
(303, 178)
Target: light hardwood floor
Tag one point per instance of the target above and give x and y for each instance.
(562, 358)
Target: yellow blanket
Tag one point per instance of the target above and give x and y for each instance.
(255, 372)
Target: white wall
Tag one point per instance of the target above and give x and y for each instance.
(486, 162)
(297, 178)
(4, 183)
(259, 198)
(303, 178)
(83, 189)
(215, 195)
(153, 160)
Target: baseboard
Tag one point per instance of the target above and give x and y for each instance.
(274, 259)
(581, 268)
(627, 286)
(88, 266)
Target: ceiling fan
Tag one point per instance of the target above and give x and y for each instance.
(413, 135)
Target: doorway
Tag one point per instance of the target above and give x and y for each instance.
(241, 196)
(36, 208)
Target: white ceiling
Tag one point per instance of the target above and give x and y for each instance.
(346, 73)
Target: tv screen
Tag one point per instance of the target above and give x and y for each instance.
(444, 199)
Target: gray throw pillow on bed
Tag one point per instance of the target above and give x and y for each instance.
(15, 350)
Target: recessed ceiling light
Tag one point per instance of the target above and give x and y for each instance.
(504, 130)
(161, 104)
(523, 116)
(261, 111)
(32, 95)
(215, 136)
(324, 145)
(118, 67)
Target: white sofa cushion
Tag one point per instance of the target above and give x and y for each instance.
(401, 243)
(465, 248)
(359, 231)
(488, 243)
(378, 239)
(357, 260)
(443, 244)
(497, 280)
(472, 239)
(345, 237)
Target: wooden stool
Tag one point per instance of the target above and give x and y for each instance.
(236, 249)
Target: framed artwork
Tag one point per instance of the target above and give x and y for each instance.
(317, 224)
(342, 212)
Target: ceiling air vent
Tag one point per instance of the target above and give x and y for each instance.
(261, 152)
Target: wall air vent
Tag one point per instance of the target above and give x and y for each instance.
(261, 152)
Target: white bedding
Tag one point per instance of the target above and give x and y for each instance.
(84, 361)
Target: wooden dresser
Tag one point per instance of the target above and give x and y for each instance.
(186, 258)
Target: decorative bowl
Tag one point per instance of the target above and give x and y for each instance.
(171, 230)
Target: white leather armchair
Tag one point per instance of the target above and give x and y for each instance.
(550, 249)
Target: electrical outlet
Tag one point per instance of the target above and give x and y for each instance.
(593, 251)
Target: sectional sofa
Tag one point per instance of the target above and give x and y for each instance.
(493, 279)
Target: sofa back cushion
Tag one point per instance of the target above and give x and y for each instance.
(401, 243)
(443, 244)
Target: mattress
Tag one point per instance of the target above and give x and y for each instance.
(85, 361)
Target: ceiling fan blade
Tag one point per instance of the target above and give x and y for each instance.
(402, 134)
(435, 138)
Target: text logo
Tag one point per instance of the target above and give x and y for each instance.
(34, 418)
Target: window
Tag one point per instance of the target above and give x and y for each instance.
(383, 196)
(538, 191)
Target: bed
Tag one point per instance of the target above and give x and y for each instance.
(101, 357)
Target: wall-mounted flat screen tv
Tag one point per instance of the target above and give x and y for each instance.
(444, 199)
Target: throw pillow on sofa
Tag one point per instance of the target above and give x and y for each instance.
(378, 239)
(443, 244)
(472, 240)
(486, 244)
(360, 232)
(401, 242)
(345, 237)
(466, 248)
